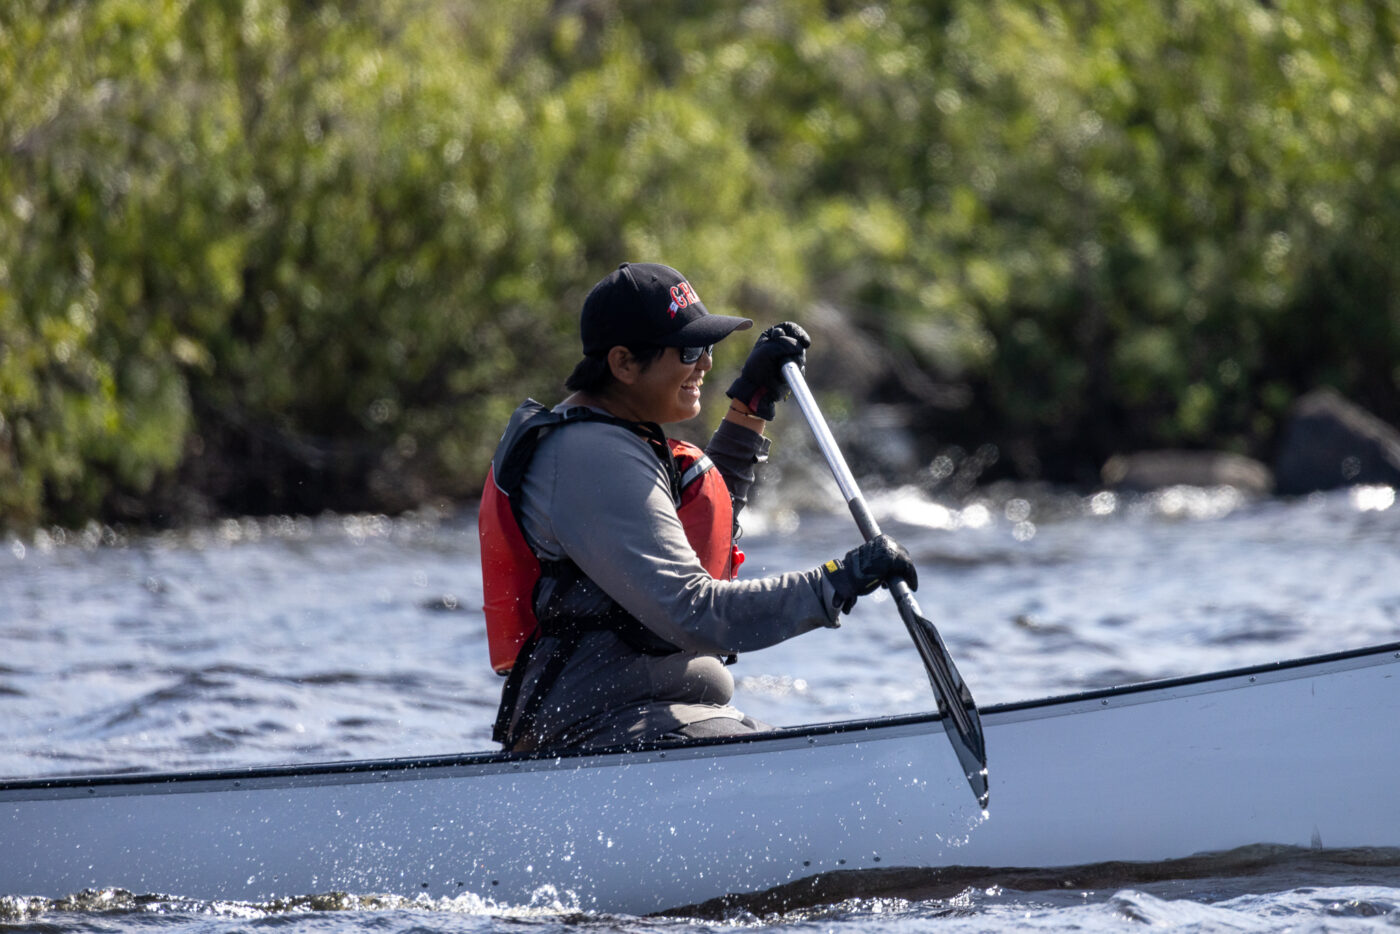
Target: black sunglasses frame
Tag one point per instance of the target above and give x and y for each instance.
(692, 355)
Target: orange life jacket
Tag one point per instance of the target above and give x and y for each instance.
(510, 569)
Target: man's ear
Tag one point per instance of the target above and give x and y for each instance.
(623, 365)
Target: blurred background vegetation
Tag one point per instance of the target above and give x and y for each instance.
(272, 255)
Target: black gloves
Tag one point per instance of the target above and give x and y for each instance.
(760, 384)
(878, 561)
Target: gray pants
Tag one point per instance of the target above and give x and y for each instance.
(718, 726)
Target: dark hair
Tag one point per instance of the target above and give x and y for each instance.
(593, 374)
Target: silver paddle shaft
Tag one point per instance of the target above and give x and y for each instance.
(954, 699)
(805, 401)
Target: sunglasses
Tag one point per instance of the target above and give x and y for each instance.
(691, 355)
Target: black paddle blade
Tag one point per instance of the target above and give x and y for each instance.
(961, 721)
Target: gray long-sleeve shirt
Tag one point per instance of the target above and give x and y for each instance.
(597, 494)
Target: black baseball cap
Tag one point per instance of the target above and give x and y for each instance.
(648, 303)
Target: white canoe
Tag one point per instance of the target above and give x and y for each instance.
(1296, 753)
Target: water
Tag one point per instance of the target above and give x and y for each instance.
(297, 640)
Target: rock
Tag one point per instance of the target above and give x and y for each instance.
(1154, 470)
(1330, 442)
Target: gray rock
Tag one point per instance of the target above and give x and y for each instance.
(1155, 470)
(1330, 442)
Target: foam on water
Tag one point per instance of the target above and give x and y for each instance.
(1253, 890)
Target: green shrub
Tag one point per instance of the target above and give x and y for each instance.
(292, 256)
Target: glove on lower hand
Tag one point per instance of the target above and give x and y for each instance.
(879, 561)
(760, 384)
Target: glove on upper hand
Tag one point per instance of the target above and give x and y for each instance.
(760, 384)
(879, 561)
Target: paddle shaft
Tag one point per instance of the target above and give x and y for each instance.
(954, 699)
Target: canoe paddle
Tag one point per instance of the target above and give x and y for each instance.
(955, 701)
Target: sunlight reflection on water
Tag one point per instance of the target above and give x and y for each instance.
(291, 638)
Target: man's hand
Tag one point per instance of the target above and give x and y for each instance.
(760, 384)
(879, 561)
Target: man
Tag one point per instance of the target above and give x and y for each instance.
(620, 582)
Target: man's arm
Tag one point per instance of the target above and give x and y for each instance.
(737, 448)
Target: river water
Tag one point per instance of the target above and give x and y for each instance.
(281, 640)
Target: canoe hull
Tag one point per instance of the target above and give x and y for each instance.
(1301, 753)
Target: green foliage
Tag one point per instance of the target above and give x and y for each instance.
(247, 240)
(1182, 178)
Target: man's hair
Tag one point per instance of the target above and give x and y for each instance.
(593, 374)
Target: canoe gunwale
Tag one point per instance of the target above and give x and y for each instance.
(454, 765)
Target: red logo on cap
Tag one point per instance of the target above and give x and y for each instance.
(681, 296)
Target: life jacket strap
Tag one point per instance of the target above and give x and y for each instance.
(559, 656)
(559, 594)
(510, 693)
(567, 602)
(693, 472)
